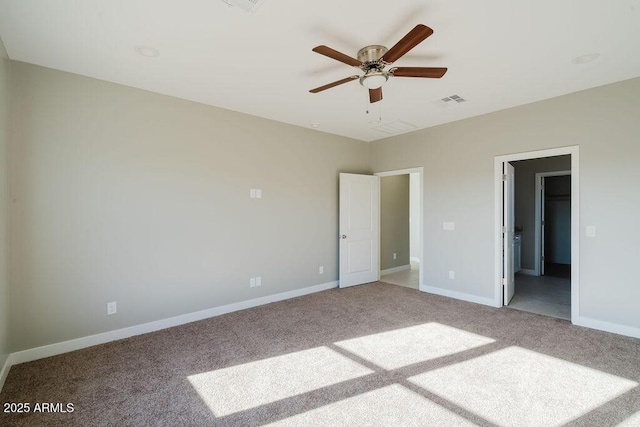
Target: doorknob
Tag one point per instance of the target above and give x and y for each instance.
(344, 236)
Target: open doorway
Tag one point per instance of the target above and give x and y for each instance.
(543, 236)
(400, 227)
(542, 254)
(553, 224)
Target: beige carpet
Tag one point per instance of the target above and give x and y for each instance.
(374, 354)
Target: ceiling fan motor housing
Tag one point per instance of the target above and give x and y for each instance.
(373, 67)
(370, 55)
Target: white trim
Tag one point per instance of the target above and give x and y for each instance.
(420, 171)
(414, 259)
(614, 328)
(400, 172)
(79, 343)
(395, 269)
(575, 233)
(527, 272)
(459, 295)
(538, 211)
(4, 372)
(575, 219)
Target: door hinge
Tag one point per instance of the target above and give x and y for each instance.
(504, 281)
(504, 177)
(542, 222)
(542, 257)
(504, 229)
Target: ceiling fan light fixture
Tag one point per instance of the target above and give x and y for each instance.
(374, 80)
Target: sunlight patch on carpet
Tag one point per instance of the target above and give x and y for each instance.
(632, 421)
(414, 344)
(515, 386)
(393, 405)
(238, 388)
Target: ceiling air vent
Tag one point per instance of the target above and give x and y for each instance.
(249, 6)
(452, 100)
(395, 128)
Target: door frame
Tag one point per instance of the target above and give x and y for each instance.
(538, 265)
(575, 217)
(420, 171)
(508, 232)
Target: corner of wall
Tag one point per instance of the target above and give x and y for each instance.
(4, 285)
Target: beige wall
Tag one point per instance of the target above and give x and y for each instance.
(4, 125)
(394, 221)
(458, 161)
(525, 202)
(129, 196)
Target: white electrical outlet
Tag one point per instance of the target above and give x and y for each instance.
(321, 270)
(252, 193)
(591, 231)
(448, 226)
(258, 281)
(452, 274)
(112, 308)
(395, 255)
(258, 193)
(252, 282)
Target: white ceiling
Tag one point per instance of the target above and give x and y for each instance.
(500, 53)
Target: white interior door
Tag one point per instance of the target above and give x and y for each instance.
(508, 223)
(359, 229)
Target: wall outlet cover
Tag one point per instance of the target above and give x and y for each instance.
(112, 308)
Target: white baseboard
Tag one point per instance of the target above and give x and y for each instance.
(5, 370)
(586, 322)
(79, 343)
(84, 342)
(395, 269)
(527, 272)
(614, 328)
(459, 295)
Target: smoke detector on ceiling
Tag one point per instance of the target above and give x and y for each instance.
(249, 6)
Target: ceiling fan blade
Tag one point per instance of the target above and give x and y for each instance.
(428, 72)
(375, 95)
(408, 42)
(336, 83)
(338, 56)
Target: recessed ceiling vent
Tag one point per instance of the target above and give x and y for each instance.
(395, 128)
(249, 6)
(452, 100)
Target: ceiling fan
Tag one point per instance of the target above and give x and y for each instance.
(373, 60)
